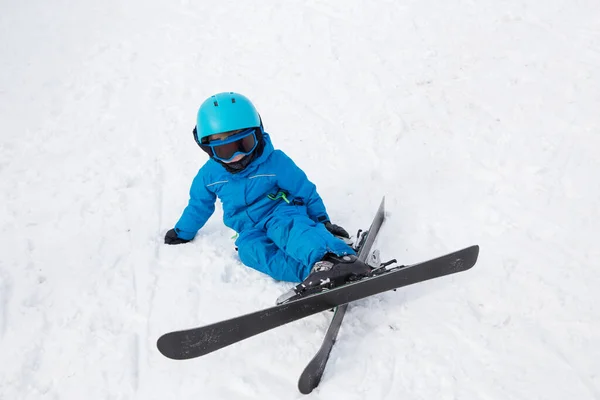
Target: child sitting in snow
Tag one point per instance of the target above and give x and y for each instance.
(284, 230)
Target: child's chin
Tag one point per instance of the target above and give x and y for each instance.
(235, 159)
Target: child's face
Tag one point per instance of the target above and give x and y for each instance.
(223, 136)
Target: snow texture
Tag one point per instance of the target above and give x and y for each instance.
(479, 121)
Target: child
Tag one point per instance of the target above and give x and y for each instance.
(284, 230)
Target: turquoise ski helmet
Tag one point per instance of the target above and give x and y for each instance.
(224, 112)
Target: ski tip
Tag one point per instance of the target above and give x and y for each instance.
(305, 390)
(472, 255)
(166, 347)
(307, 383)
(162, 346)
(475, 249)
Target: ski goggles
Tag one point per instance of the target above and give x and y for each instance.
(243, 142)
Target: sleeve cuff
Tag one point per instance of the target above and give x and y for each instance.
(322, 219)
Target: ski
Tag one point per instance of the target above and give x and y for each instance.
(197, 342)
(311, 376)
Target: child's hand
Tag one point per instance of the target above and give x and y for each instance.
(172, 238)
(336, 230)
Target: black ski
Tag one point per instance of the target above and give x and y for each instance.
(200, 341)
(311, 376)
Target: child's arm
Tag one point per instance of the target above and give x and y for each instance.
(293, 180)
(199, 209)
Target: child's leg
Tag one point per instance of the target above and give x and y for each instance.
(297, 235)
(257, 251)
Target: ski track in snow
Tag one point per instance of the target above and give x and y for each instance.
(5, 294)
(478, 121)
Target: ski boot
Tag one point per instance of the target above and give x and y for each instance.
(331, 271)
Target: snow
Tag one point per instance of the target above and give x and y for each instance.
(479, 122)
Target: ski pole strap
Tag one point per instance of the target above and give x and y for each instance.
(279, 195)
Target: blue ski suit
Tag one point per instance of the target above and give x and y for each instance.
(274, 208)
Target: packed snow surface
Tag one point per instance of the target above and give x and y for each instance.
(479, 122)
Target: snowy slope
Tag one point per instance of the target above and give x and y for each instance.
(478, 120)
